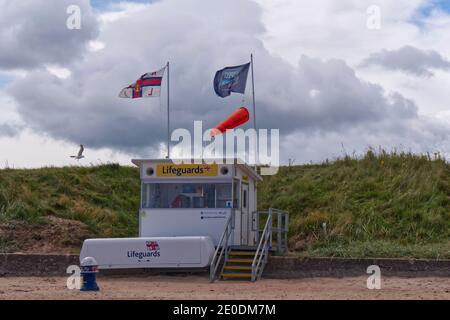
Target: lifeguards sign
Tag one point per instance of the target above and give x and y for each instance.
(186, 170)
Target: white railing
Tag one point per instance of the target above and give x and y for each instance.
(279, 228)
(262, 252)
(223, 247)
(265, 239)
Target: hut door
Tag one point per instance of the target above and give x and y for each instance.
(244, 214)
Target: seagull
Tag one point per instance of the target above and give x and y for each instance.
(80, 153)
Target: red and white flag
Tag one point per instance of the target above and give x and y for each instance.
(147, 86)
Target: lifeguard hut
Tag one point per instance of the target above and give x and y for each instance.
(195, 215)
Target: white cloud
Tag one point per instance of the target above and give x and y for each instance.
(335, 29)
(62, 73)
(96, 45)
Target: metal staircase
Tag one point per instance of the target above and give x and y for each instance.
(239, 265)
(249, 263)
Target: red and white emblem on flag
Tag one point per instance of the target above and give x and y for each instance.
(148, 85)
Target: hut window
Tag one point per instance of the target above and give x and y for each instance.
(186, 195)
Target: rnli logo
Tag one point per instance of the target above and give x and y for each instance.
(152, 245)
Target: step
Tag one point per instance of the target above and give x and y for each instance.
(244, 268)
(239, 260)
(243, 248)
(242, 253)
(236, 275)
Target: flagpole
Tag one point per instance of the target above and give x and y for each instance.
(254, 111)
(168, 111)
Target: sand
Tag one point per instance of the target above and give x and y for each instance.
(198, 287)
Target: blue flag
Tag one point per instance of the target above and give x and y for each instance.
(231, 79)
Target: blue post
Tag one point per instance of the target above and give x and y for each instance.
(89, 270)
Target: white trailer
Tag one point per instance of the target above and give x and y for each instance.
(184, 210)
(158, 252)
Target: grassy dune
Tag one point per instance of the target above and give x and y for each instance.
(104, 198)
(385, 205)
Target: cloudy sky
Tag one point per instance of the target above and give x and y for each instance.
(329, 74)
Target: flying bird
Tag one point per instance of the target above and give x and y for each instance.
(80, 153)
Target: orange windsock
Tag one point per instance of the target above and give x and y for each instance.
(237, 118)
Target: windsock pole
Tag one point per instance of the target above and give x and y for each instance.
(168, 111)
(254, 113)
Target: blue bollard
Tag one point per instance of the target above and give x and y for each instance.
(89, 270)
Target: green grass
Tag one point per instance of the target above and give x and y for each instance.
(385, 204)
(381, 205)
(105, 198)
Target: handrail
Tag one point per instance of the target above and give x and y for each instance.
(221, 249)
(280, 230)
(256, 269)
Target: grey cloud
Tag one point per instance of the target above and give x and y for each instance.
(417, 135)
(409, 59)
(324, 98)
(341, 100)
(34, 32)
(9, 130)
